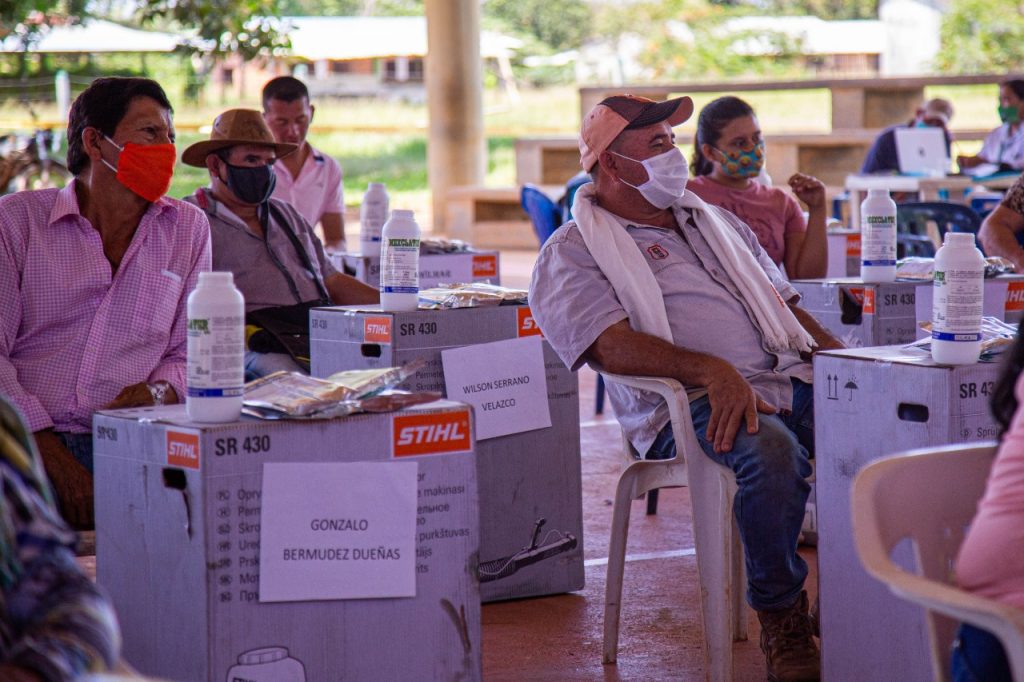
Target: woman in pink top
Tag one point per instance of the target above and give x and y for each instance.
(991, 558)
(728, 157)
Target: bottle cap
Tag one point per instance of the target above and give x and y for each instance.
(402, 214)
(958, 239)
(375, 185)
(266, 655)
(878, 191)
(217, 278)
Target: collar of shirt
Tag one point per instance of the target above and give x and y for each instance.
(67, 205)
(314, 159)
(206, 201)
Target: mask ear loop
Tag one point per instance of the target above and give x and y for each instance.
(117, 147)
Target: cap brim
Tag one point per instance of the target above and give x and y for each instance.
(675, 111)
(196, 154)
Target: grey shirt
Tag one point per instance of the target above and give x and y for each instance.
(574, 303)
(263, 268)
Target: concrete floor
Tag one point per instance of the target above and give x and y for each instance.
(560, 637)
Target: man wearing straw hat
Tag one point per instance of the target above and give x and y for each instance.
(649, 280)
(277, 260)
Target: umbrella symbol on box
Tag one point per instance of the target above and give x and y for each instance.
(851, 386)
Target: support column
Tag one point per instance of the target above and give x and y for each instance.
(456, 151)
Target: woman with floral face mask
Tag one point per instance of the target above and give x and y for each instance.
(1004, 146)
(728, 158)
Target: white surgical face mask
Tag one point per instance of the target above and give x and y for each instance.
(666, 177)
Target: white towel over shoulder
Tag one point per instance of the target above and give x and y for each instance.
(622, 262)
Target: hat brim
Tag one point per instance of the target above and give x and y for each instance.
(675, 111)
(196, 154)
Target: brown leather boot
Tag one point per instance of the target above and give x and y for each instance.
(788, 644)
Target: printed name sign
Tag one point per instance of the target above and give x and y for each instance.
(338, 531)
(505, 383)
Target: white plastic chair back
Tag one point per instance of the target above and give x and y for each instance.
(719, 554)
(930, 496)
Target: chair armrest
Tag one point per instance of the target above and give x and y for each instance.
(674, 395)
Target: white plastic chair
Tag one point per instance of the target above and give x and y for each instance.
(929, 496)
(720, 561)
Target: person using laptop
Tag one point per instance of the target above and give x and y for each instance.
(1003, 149)
(883, 157)
(728, 160)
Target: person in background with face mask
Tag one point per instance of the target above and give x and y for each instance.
(1004, 146)
(649, 280)
(308, 179)
(94, 279)
(882, 158)
(728, 157)
(276, 258)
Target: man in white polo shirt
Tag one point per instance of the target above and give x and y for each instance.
(308, 179)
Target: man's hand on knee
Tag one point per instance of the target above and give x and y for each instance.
(71, 481)
(732, 399)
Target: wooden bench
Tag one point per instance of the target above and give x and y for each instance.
(490, 217)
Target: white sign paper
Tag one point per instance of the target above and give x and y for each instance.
(338, 531)
(505, 383)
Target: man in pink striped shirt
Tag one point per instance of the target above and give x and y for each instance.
(94, 279)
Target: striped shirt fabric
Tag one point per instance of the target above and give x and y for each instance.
(73, 332)
(53, 620)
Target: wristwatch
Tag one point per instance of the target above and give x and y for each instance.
(158, 389)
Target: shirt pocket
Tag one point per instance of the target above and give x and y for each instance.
(156, 306)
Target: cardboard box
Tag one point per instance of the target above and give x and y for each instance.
(860, 314)
(435, 268)
(178, 518)
(869, 403)
(523, 477)
(1003, 299)
(844, 253)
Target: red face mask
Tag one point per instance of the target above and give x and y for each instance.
(145, 169)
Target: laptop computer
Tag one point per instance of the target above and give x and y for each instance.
(922, 151)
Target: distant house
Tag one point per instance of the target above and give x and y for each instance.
(355, 57)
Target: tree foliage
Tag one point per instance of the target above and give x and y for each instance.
(344, 8)
(248, 27)
(24, 18)
(562, 25)
(982, 36)
(823, 9)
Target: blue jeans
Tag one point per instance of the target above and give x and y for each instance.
(978, 656)
(80, 446)
(771, 467)
(261, 364)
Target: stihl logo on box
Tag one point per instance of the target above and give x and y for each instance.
(377, 330)
(183, 450)
(866, 297)
(485, 266)
(527, 325)
(431, 434)
(853, 245)
(1014, 297)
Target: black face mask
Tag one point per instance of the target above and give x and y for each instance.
(252, 185)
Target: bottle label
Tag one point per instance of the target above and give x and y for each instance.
(372, 216)
(216, 356)
(957, 304)
(878, 240)
(399, 265)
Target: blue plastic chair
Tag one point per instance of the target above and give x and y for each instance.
(543, 211)
(913, 218)
(914, 245)
(571, 187)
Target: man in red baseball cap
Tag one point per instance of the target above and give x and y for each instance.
(649, 280)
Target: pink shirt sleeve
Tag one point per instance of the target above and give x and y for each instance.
(334, 199)
(793, 215)
(991, 558)
(13, 238)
